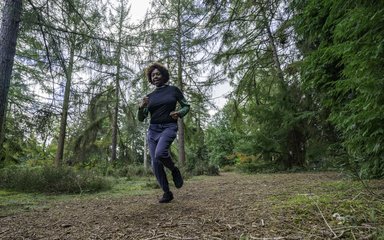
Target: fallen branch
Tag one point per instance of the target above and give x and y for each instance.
(322, 215)
(183, 238)
(155, 237)
(355, 227)
(6, 230)
(263, 238)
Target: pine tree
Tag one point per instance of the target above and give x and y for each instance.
(11, 15)
(342, 44)
(178, 41)
(257, 53)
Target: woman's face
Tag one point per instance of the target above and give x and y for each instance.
(157, 78)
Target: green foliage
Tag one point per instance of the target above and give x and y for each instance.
(87, 145)
(267, 111)
(209, 170)
(22, 145)
(319, 106)
(128, 171)
(343, 203)
(220, 143)
(254, 164)
(342, 42)
(182, 45)
(52, 180)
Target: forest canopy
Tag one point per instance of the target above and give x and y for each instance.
(306, 79)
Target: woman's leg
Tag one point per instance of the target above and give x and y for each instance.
(157, 166)
(162, 153)
(164, 143)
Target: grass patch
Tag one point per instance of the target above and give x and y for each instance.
(343, 186)
(12, 201)
(344, 205)
(128, 186)
(52, 180)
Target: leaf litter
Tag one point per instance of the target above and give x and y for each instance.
(229, 206)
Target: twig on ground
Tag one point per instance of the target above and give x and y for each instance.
(233, 226)
(217, 238)
(263, 238)
(370, 236)
(341, 234)
(183, 238)
(355, 227)
(155, 237)
(369, 190)
(6, 230)
(322, 215)
(354, 198)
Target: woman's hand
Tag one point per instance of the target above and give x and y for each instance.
(144, 102)
(174, 115)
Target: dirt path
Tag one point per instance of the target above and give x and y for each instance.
(230, 206)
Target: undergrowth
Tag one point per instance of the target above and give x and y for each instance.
(346, 208)
(52, 180)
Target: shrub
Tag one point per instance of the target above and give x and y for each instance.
(52, 180)
(131, 171)
(227, 168)
(204, 169)
(212, 170)
(254, 164)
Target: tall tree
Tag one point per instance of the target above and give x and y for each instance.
(179, 52)
(66, 29)
(11, 16)
(120, 28)
(256, 52)
(342, 44)
(179, 41)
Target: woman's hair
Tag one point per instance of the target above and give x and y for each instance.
(162, 69)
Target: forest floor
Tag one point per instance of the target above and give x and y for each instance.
(229, 206)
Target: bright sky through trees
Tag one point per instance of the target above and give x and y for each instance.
(138, 10)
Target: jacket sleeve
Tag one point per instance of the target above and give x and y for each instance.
(142, 114)
(184, 107)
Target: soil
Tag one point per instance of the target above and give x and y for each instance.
(229, 206)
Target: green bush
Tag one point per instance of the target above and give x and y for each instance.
(227, 168)
(212, 170)
(52, 180)
(131, 171)
(257, 167)
(205, 169)
(248, 167)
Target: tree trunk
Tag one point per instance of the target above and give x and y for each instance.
(8, 37)
(276, 60)
(295, 139)
(117, 91)
(145, 152)
(115, 118)
(296, 149)
(63, 122)
(180, 82)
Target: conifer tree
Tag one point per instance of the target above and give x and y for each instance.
(179, 42)
(11, 16)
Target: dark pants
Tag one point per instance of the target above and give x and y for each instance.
(160, 138)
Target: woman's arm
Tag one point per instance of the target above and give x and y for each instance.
(184, 107)
(183, 110)
(143, 109)
(142, 114)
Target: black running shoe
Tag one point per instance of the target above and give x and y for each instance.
(167, 197)
(177, 178)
